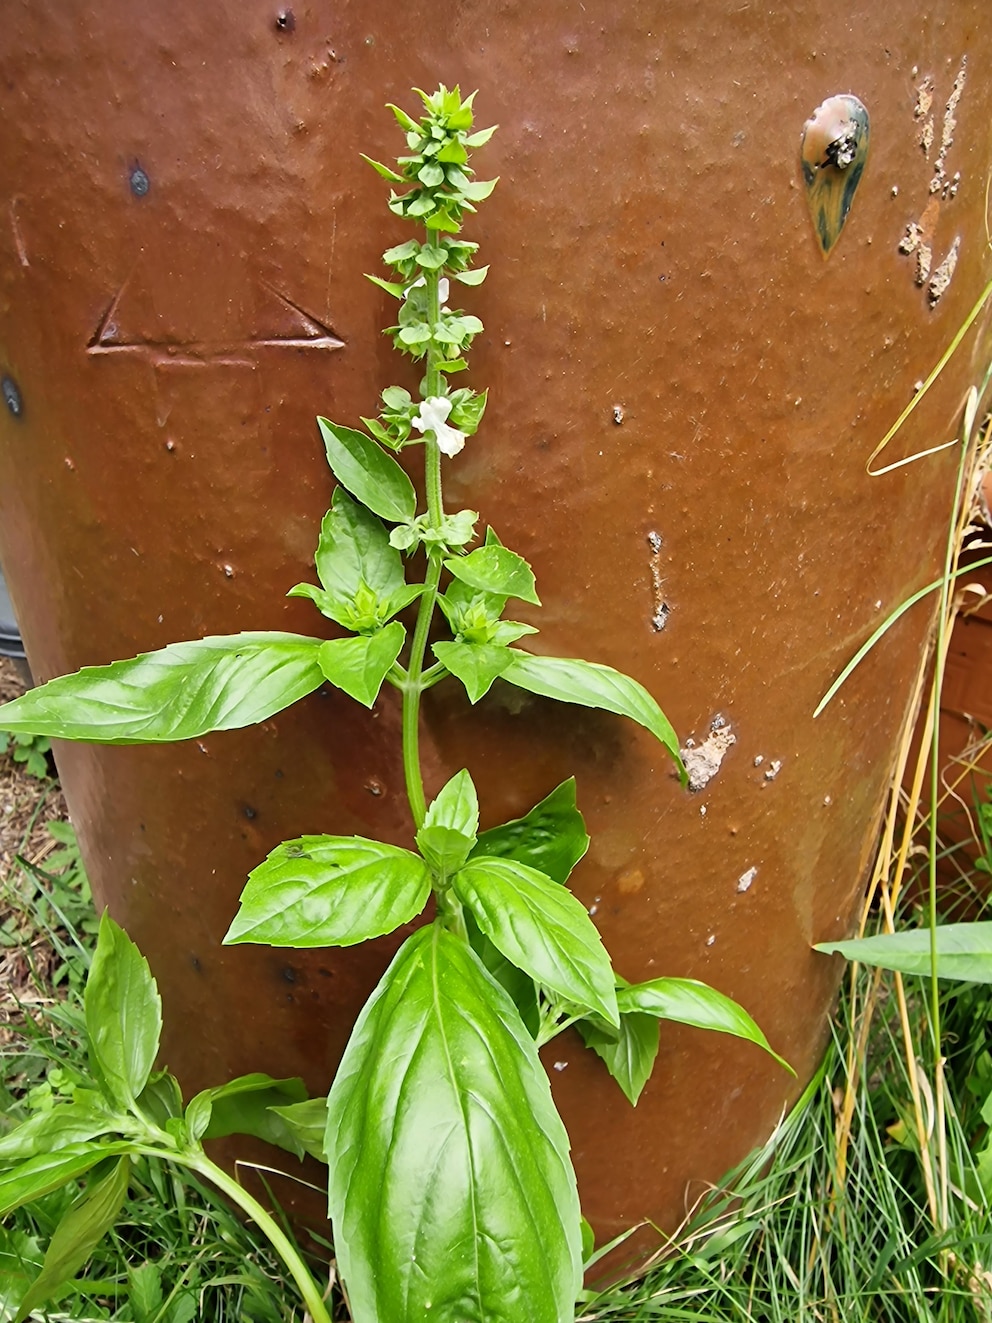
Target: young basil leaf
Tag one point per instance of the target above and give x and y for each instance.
(383, 170)
(306, 1122)
(592, 685)
(477, 665)
(123, 1015)
(495, 569)
(551, 837)
(372, 476)
(161, 1099)
(475, 277)
(185, 690)
(77, 1235)
(964, 951)
(629, 1055)
(390, 286)
(330, 891)
(450, 826)
(688, 1001)
(243, 1107)
(539, 925)
(450, 1187)
(359, 665)
(48, 1171)
(69, 1123)
(145, 1294)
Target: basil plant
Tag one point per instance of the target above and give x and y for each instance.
(451, 1192)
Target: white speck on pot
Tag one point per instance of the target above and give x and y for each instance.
(560, 1065)
(702, 810)
(827, 799)
(759, 758)
(703, 762)
(711, 939)
(745, 879)
(774, 767)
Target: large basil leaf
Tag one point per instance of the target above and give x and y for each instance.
(551, 837)
(497, 570)
(540, 926)
(688, 1001)
(359, 665)
(374, 477)
(452, 821)
(330, 891)
(123, 1015)
(69, 1123)
(477, 665)
(48, 1171)
(964, 951)
(452, 1196)
(629, 1055)
(591, 685)
(77, 1235)
(187, 689)
(306, 1122)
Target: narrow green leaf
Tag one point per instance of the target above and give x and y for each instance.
(964, 951)
(77, 1235)
(451, 1191)
(551, 837)
(479, 190)
(330, 891)
(495, 569)
(403, 119)
(372, 476)
(123, 1015)
(39, 1176)
(477, 665)
(542, 928)
(480, 138)
(630, 1055)
(307, 1123)
(69, 1123)
(383, 170)
(591, 685)
(390, 286)
(688, 1001)
(187, 689)
(359, 665)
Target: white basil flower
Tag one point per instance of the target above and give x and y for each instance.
(433, 418)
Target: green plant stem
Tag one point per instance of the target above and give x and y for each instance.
(414, 685)
(266, 1223)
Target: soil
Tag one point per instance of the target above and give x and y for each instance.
(27, 804)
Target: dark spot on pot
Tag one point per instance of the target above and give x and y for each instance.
(278, 774)
(139, 182)
(195, 964)
(12, 396)
(285, 20)
(249, 812)
(325, 973)
(288, 974)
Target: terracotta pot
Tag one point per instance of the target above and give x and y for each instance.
(684, 395)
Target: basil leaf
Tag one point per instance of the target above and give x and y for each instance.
(359, 665)
(964, 951)
(187, 689)
(518, 985)
(495, 569)
(39, 1176)
(591, 685)
(330, 891)
(372, 476)
(161, 1099)
(551, 837)
(243, 1107)
(71, 1123)
(540, 926)
(688, 1001)
(630, 1055)
(306, 1122)
(77, 1235)
(451, 1191)
(123, 1015)
(477, 665)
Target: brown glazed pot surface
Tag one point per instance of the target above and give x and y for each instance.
(684, 395)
